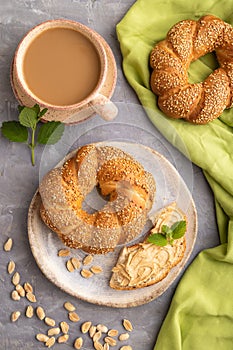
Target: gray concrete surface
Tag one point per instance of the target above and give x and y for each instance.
(19, 180)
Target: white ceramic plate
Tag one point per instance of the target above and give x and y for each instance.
(45, 244)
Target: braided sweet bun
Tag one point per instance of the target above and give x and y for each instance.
(186, 41)
(130, 190)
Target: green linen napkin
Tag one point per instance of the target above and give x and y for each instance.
(201, 312)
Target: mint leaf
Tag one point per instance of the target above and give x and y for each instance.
(50, 133)
(158, 239)
(166, 229)
(178, 229)
(14, 131)
(28, 117)
(168, 234)
(20, 108)
(41, 113)
(36, 108)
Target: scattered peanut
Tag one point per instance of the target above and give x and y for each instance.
(69, 266)
(27, 287)
(29, 311)
(86, 273)
(87, 260)
(127, 325)
(11, 267)
(110, 341)
(96, 269)
(85, 327)
(15, 315)
(49, 321)
(76, 263)
(50, 342)
(31, 297)
(63, 338)
(42, 337)
(97, 336)
(16, 278)
(102, 328)
(15, 295)
(78, 343)
(73, 316)
(40, 313)
(69, 307)
(53, 331)
(98, 346)
(123, 336)
(63, 252)
(92, 331)
(8, 245)
(64, 327)
(113, 332)
(20, 290)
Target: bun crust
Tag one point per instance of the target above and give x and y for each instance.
(130, 190)
(186, 41)
(144, 264)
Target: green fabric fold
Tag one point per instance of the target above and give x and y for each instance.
(201, 312)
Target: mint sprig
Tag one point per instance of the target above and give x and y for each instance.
(29, 123)
(168, 234)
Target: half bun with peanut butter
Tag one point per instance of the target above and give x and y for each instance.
(144, 264)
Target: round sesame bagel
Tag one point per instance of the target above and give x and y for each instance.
(186, 41)
(129, 189)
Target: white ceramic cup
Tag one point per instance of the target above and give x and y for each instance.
(95, 102)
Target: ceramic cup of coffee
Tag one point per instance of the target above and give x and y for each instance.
(66, 67)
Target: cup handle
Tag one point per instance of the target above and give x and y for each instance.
(104, 107)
